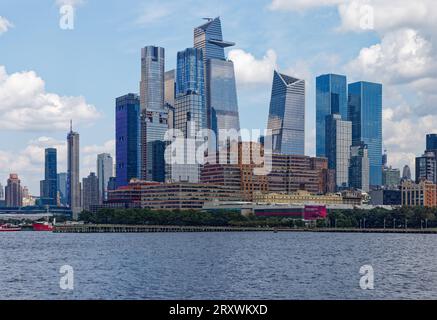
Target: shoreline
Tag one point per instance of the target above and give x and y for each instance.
(162, 229)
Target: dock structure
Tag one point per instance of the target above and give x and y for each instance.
(108, 228)
(115, 228)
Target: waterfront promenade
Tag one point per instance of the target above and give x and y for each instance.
(112, 228)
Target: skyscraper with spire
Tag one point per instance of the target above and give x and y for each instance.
(220, 85)
(73, 182)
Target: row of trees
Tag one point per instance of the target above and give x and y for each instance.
(411, 217)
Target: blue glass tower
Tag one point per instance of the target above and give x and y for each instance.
(51, 175)
(220, 86)
(287, 115)
(331, 98)
(127, 138)
(365, 113)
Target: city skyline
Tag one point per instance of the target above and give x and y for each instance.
(28, 151)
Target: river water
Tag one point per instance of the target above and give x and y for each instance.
(249, 265)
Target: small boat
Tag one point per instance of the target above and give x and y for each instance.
(42, 226)
(9, 228)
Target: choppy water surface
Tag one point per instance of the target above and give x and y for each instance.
(217, 265)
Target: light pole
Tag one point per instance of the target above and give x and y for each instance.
(426, 223)
(384, 223)
(394, 223)
(406, 223)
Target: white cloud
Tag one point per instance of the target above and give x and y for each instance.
(388, 14)
(401, 56)
(26, 106)
(299, 5)
(249, 70)
(73, 3)
(151, 14)
(5, 25)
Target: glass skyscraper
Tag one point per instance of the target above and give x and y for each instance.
(62, 187)
(331, 98)
(365, 113)
(220, 85)
(359, 168)
(50, 184)
(105, 168)
(431, 142)
(190, 110)
(154, 115)
(338, 143)
(127, 138)
(287, 115)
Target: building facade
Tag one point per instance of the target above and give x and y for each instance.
(331, 98)
(13, 192)
(73, 182)
(287, 115)
(127, 139)
(105, 170)
(91, 191)
(154, 115)
(422, 194)
(391, 178)
(426, 167)
(50, 183)
(365, 113)
(62, 188)
(171, 196)
(338, 139)
(189, 114)
(359, 168)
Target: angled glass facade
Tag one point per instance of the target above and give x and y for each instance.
(359, 168)
(338, 143)
(365, 113)
(127, 138)
(331, 98)
(220, 85)
(287, 115)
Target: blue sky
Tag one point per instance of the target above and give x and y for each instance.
(100, 59)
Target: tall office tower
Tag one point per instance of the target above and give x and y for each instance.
(431, 142)
(50, 184)
(190, 112)
(426, 167)
(287, 115)
(338, 140)
(154, 116)
(365, 112)
(13, 192)
(359, 168)
(220, 85)
(91, 192)
(2, 193)
(127, 139)
(104, 172)
(331, 98)
(73, 182)
(62, 188)
(406, 173)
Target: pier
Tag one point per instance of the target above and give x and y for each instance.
(90, 228)
(113, 228)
